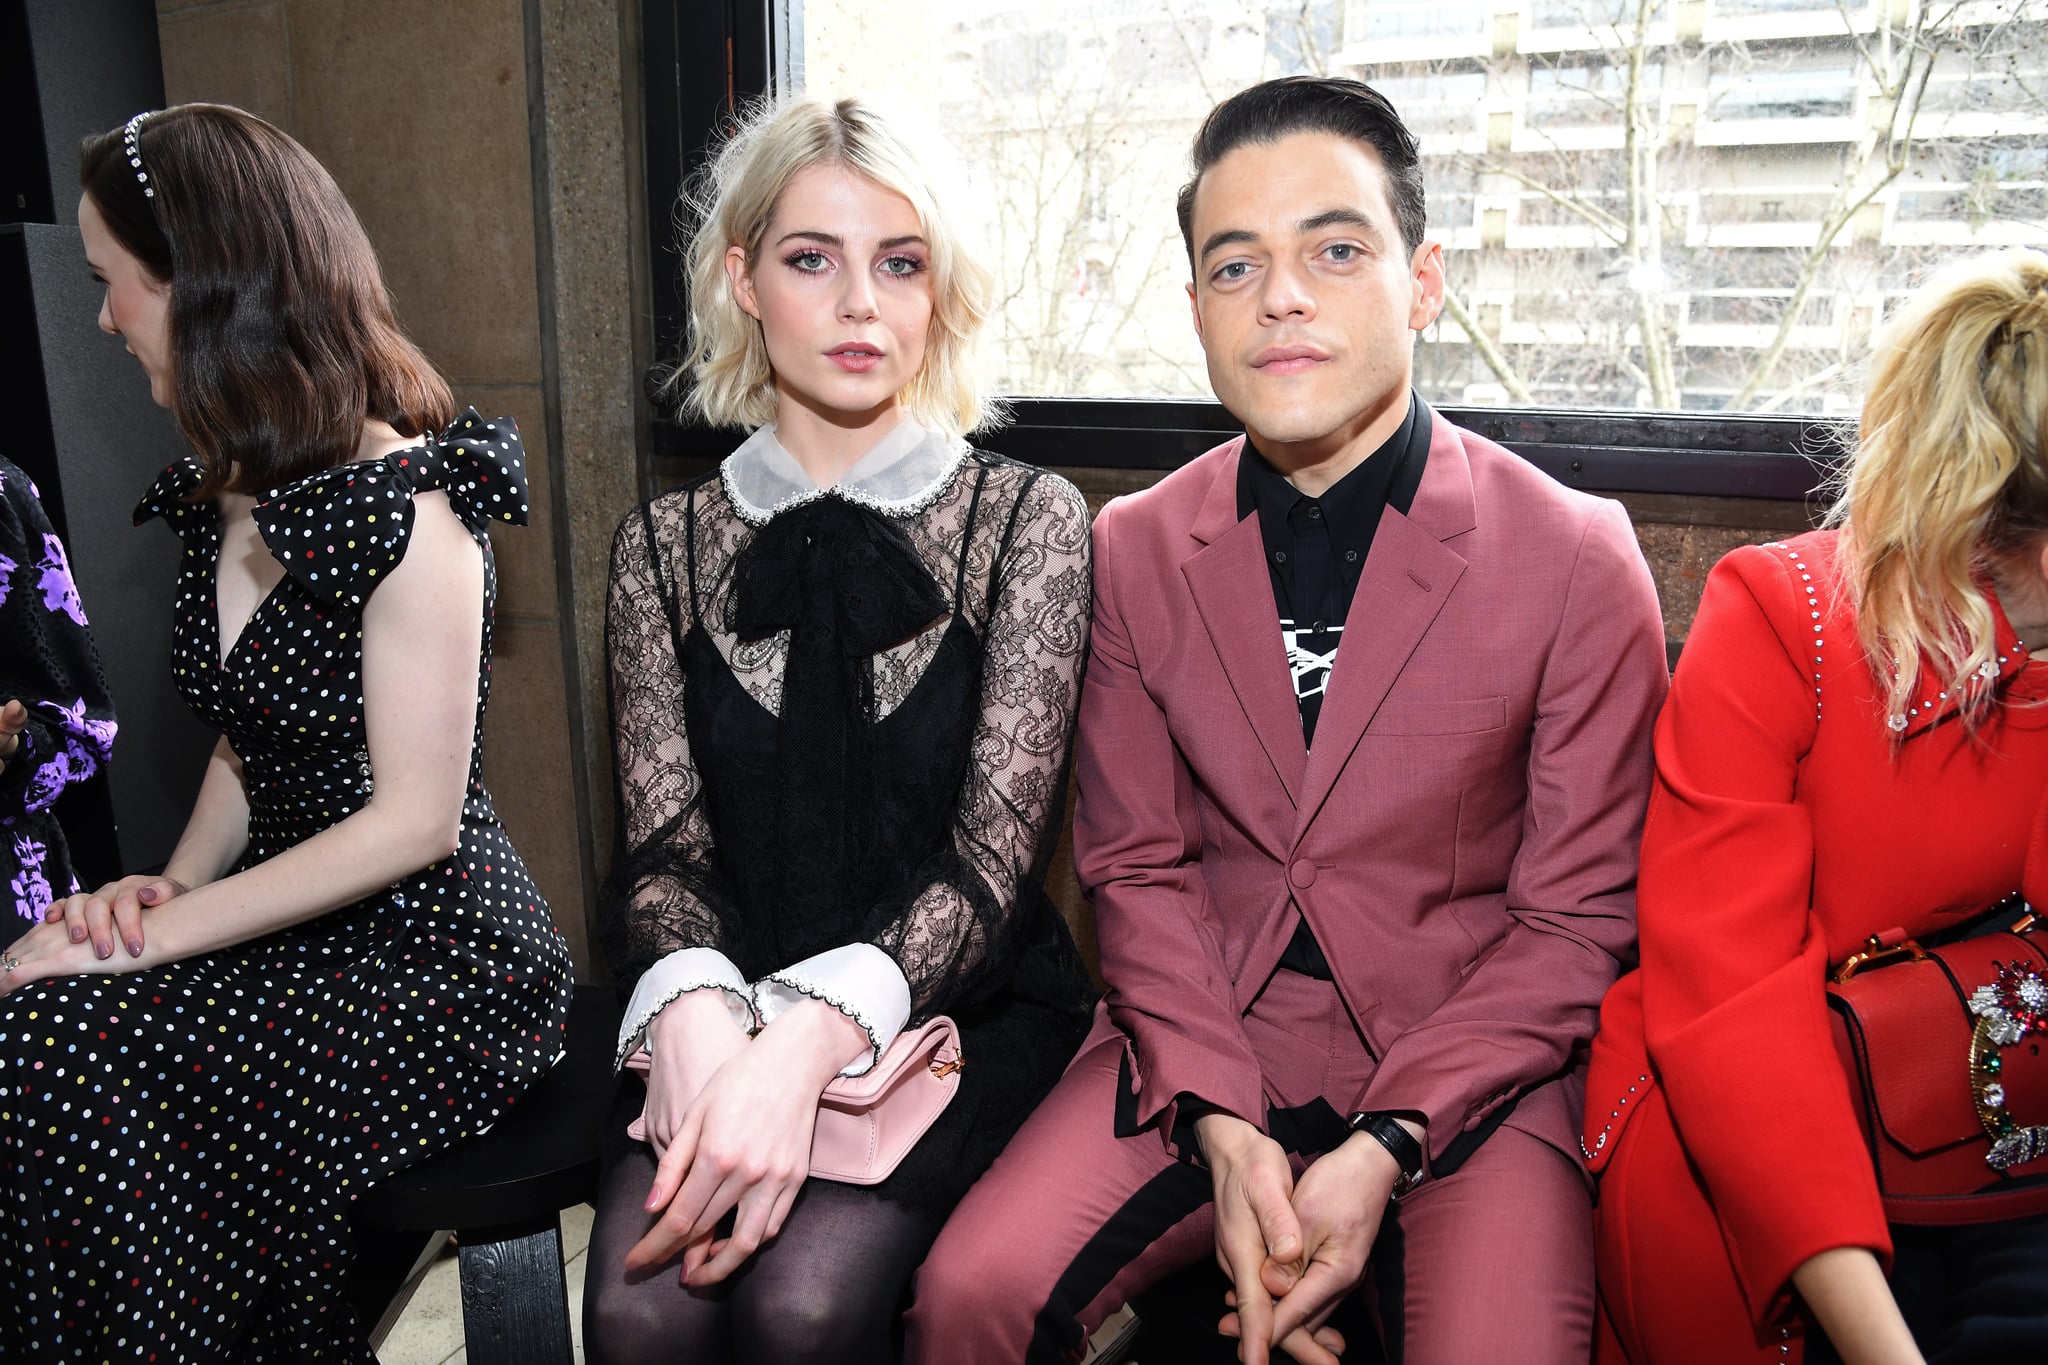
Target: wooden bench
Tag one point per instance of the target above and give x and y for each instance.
(501, 1196)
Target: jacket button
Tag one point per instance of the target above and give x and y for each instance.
(1302, 873)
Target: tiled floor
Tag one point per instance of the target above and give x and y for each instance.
(429, 1332)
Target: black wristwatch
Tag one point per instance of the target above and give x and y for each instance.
(1386, 1130)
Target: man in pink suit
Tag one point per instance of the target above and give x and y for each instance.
(1363, 755)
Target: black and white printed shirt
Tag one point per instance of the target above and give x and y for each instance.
(1315, 550)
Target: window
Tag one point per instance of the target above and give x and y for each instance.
(1078, 113)
(1590, 14)
(1765, 163)
(1782, 87)
(1736, 8)
(1589, 94)
(1378, 20)
(1442, 101)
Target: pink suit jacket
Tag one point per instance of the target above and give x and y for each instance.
(1462, 838)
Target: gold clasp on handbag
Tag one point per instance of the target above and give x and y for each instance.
(943, 1067)
(1876, 950)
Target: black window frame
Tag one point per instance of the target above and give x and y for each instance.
(702, 58)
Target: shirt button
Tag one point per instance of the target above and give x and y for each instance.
(1279, 556)
(1302, 873)
(1351, 556)
(1315, 511)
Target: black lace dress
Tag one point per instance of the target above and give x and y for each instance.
(845, 718)
(179, 1146)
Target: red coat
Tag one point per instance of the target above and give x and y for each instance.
(1462, 838)
(1783, 831)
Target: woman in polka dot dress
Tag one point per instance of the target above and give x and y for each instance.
(344, 966)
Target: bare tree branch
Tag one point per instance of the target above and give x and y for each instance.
(1489, 350)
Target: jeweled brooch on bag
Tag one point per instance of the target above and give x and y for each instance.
(2013, 1006)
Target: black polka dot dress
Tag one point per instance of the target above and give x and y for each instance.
(179, 1147)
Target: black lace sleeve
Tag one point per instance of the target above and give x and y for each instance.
(664, 891)
(958, 932)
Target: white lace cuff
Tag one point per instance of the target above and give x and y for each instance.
(683, 971)
(859, 980)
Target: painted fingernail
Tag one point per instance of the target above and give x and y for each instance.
(135, 947)
(78, 935)
(105, 950)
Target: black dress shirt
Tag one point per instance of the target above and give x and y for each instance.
(1315, 550)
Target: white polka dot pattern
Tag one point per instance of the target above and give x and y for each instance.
(181, 1145)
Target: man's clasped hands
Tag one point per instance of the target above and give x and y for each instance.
(1292, 1247)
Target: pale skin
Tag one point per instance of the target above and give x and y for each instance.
(840, 283)
(13, 720)
(422, 635)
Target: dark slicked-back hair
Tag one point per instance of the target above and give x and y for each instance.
(1271, 110)
(282, 336)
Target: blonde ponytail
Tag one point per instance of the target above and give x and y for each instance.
(1949, 479)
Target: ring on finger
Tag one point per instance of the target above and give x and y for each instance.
(9, 962)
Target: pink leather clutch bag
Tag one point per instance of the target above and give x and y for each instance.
(867, 1123)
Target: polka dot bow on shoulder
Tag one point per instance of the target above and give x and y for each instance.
(342, 531)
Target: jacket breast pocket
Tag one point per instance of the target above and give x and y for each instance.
(1464, 716)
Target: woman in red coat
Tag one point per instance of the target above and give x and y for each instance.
(1853, 742)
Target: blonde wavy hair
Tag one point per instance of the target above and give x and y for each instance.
(724, 375)
(1947, 487)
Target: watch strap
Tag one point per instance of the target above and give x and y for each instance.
(1401, 1145)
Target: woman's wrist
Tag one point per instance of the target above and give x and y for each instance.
(817, 1039)
(1845, 1289)
(695, 1013)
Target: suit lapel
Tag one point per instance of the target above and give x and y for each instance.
(1408, 576)
(1233, 594)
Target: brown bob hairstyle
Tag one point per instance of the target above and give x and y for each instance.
(282, 338)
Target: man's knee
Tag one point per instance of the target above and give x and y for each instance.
(970, 1284)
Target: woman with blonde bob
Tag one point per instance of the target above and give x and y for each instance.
(844, 669)
(1854, 741)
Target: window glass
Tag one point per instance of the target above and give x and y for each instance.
(1644, 204)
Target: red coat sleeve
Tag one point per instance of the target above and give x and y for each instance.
(1734, 969)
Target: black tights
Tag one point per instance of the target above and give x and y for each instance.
(830, 1287)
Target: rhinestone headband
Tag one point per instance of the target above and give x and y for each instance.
(131, 142)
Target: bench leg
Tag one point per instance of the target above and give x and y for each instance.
(388, 1267)
(515, 1298)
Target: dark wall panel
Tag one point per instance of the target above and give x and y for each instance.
(86, 431)
(67, 68)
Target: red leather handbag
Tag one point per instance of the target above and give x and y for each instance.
(1946, 1051)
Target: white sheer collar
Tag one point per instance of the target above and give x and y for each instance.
(899, 476)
